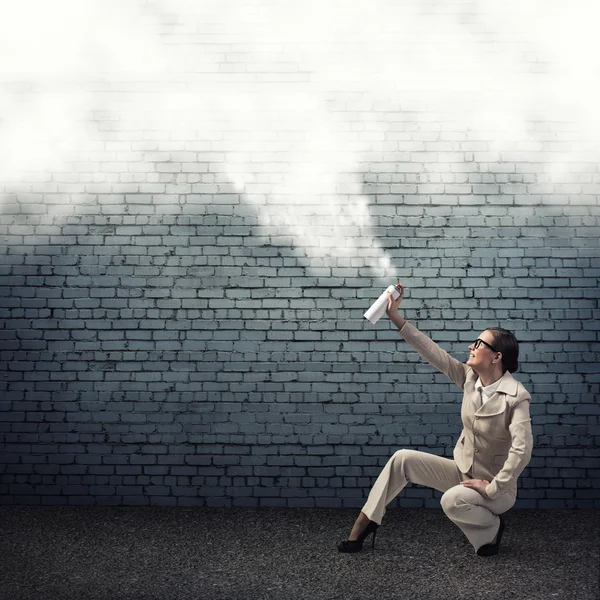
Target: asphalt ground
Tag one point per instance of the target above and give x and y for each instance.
(121, 553)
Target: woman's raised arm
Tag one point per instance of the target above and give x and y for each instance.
(425, 346)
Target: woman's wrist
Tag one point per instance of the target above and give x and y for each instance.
(398, 321)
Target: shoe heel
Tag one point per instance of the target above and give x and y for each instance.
(356, 545)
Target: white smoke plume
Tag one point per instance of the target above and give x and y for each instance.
(301, 109)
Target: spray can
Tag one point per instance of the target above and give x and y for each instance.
(378, 308)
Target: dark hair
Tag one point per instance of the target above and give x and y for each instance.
(506, 342)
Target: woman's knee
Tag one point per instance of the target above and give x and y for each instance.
(405, 461)
(402, 458)
(456, 498)
(397, 460)
(401, 454)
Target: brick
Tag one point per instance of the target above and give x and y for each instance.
(179, 329)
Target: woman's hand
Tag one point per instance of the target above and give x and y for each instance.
(477, 484)
(393, 305)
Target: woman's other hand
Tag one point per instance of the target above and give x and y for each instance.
(477, 484)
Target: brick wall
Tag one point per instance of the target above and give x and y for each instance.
(198, 205)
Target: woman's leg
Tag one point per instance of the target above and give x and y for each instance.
(475, 515)
(404, 466)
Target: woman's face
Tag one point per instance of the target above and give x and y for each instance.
(480, 359)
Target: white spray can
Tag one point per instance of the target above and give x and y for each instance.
(379, 307)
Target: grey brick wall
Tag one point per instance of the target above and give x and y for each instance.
(190, 242)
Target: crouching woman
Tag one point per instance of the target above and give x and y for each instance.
(480, 481)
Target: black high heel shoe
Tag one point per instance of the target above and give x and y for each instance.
(492, 549)
(356, 545)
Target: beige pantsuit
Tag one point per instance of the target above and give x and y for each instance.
(495, 444)
(467, 508)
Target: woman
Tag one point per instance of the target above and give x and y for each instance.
(493, 449)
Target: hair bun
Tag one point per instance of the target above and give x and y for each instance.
(506, 342)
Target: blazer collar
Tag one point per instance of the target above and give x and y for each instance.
(508, 384)
(497, 402)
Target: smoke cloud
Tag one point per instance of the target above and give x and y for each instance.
(301, 109)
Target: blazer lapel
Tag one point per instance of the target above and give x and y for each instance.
(508, 384)
(497, 403)
(494, 406)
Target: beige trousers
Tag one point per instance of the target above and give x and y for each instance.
(476, 516)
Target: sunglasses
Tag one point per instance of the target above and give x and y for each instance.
(478, 343)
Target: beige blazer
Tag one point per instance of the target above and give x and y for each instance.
(496, 440)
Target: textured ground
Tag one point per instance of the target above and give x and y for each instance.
(146, 553)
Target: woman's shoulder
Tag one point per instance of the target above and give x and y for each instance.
(471, 376)
(521, 393)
